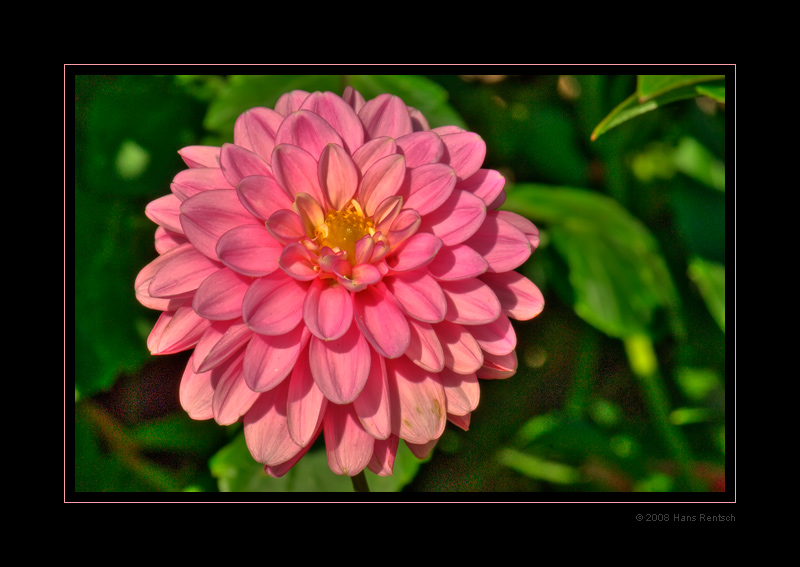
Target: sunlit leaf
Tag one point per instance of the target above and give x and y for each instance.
(696, 161)
(538, 468)
(651, 86)
(710, 280)
(716, 92)
(658, 91)
(617, 272)
(697, 383)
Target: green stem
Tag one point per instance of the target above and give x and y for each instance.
(643, 362)
(360, 482)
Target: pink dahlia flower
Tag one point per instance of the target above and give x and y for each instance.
(341, 268)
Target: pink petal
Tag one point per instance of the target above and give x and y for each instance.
(420, 148)
(196, 393)
(190, 182)
(297, 261)
(250, 250)
(485, 183)
(383, 455)
(461, 351)
(470, 302)
(523, 225)
(372, 151)
(502, 245)
(340, 367)
(255, 131)
(305, 403)
(386, 115)
(262, 196)
(277, 471)
(381, 181)
(338, 175)
(353, 98)
(419, 295)
(380, 319)
(166, 240)
(273, 305)
(372, 405)
(285, 226)
(519, 297)
(211, 337)
(422, 450)
(442, 130)
(266, 431)
(357, 278)
(290, 102)
(145, 277)
(429, 187)
(416, 252)
(328, 309)
(498, 367)
(237, 336)
(232, 397)
(208, 215)
(220, 296)
(457, 262)
(328, 260)
(462, 392)
(418, 402)
(405, 224)
(387, 212)
(465, 151)
(340, 115)
(176, 332)
(166, 212)
(296, 171)
(181, 272)
(497, 337)
(200, 156)
(418, 120)
(237, 163)
(348, 446)
(310, 213)
(424, 348)
(270, 359)
(457, 219)
(308, 131)
(461, 421)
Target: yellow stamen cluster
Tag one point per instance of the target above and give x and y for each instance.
(342, 229)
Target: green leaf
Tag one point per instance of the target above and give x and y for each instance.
(709, 278)
(716, 92)
(697, 383)
(658, 90)
(618, 275)
(537, 467)
(237, 471)
(418, 92)
(178, 432)
(696, 161)
(652, 86)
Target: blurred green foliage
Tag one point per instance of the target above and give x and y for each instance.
(621, 385)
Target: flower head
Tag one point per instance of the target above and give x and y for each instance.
(343, 269)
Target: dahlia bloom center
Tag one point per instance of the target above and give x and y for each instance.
(343, 229)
